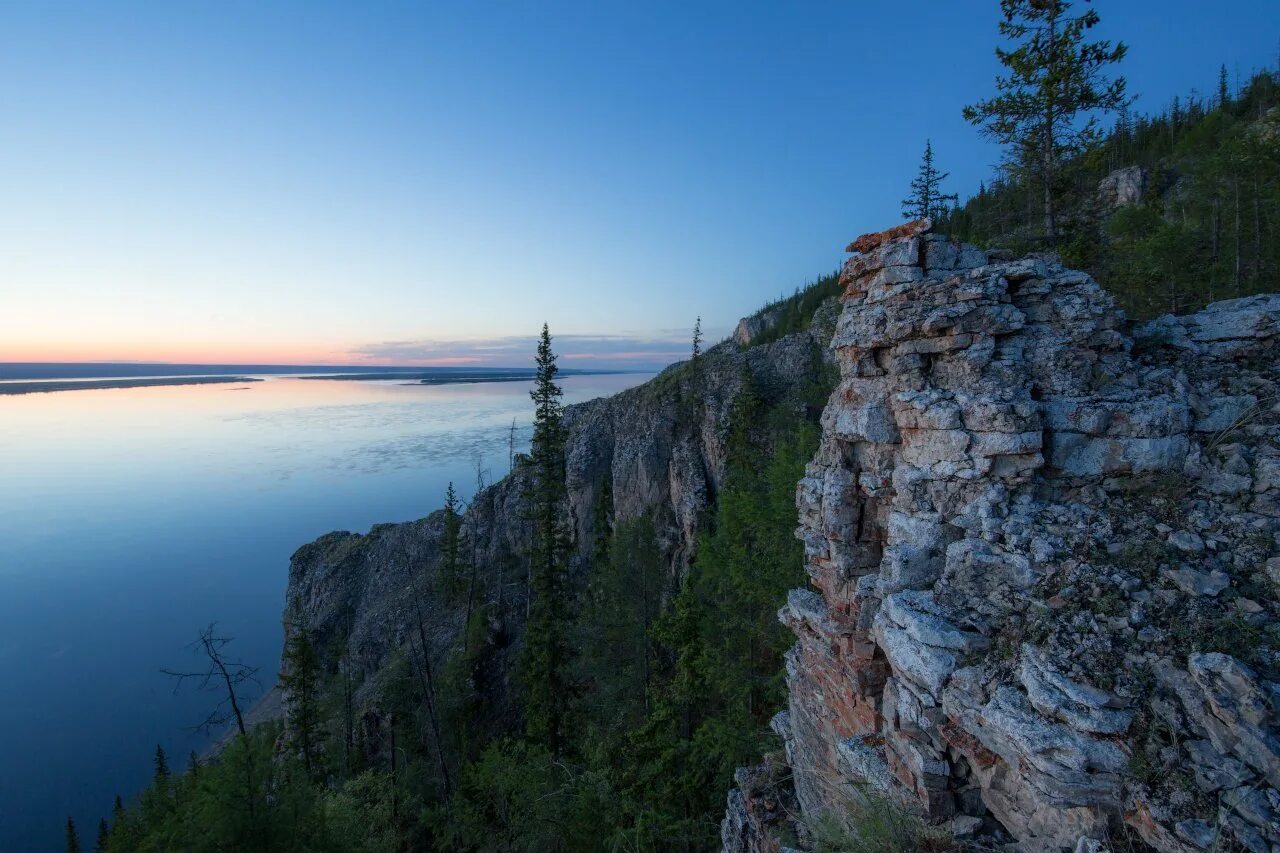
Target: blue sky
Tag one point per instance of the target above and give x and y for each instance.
(394, 182)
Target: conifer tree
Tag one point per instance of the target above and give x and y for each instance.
(1054, 77)
(73, 838)
(697, 338)
(300, 680)
(451, 574)
(602, 523)
(1224, 87)
(162, 765)
(104, 836)
(545, 654)
(927, 201)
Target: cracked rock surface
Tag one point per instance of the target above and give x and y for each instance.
(1043, 551)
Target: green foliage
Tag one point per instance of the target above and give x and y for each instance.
(73, 837)
(360, 815)
(1054, 76)
(300, 681)
(453, 576)
(1203, 231)
(927, 201)
(161, 765)
(518, 797)
(710, 714)
(246, 800)
(873, 824)
(795, 313)
(618, 657)
(546, 651)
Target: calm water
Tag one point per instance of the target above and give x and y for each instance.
(131, 518)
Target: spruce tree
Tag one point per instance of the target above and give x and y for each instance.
(300, 680)
(104, 836)
(73, 838)
(162, 766)
(546, 651)
(602, 523)
(1054, 77)
(697, 338)
(927, 201)
(451, 575)
(1224, 87)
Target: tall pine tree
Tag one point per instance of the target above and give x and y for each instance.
(927, 201)
(546, 651)
(73, 837)
(300, 679)
(452, 577)
(162, 765)
(1054, 77)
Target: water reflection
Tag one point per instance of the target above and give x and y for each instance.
(131, 518)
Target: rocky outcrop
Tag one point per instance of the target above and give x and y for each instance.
(1123, 187)
(1042, 547)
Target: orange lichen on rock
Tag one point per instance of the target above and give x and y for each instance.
(868, 242)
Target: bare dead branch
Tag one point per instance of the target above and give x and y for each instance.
(221, 674)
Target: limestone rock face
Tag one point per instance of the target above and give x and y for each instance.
(661, 446)
(1042, 547)
(1123, 187)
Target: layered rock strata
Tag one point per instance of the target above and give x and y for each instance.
(1043, 550)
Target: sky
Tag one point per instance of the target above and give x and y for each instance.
(427, 183)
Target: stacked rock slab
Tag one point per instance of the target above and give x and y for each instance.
(984, 472)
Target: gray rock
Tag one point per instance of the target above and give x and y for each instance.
(1197, 833)
(1123, 187)
(1185, 540)
(1214, 770)
(965, 826)
(1193, 582)
(1080, 706)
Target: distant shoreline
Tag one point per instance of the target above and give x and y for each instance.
(429, 377)
(44, 371)
(14, 388)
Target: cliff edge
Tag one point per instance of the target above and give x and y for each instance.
(1045, 552)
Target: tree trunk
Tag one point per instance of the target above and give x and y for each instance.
(391, 723)
(1046, 155)
(471, 595)
(1217, 239)
(644, 636)
(1257, 232)
(1236, 273)
(348, 741)
(430, 688)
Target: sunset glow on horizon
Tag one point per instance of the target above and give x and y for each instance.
(299, 183)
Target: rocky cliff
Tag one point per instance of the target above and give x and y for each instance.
(1044, 558)
(659, 445)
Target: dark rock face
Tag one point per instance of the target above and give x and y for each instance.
(1043, 553)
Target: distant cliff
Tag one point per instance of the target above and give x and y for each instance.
(661, 447)
(1045, 557)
